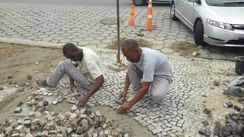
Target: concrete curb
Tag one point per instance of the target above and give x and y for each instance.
(30, 42)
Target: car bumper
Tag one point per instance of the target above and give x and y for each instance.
(222, 37)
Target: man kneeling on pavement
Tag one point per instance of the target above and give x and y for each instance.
(82, 67)
(149, 71)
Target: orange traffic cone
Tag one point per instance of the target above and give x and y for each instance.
(131, 22)
(149, 25)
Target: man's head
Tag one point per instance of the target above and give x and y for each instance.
(131, 50)
(72, 52)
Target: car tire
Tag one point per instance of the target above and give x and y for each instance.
(139, 2)
(198, 33)
(172, 11)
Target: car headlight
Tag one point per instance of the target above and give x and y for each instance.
(220, 24)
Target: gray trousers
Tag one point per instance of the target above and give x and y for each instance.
(158, 87)
(66, 67)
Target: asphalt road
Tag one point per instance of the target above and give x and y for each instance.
(96, 3)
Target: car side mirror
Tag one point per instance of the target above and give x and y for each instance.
(197, 1)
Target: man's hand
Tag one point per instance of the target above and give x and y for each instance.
(94, 88)
(123, 108)
(74, 87)
(122, 94)
(83, 100)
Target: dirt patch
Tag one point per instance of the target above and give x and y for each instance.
(184, 48)
(216, 103)
(141, 42)
(20, 66)
(133, 127)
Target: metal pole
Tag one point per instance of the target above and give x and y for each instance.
(118, 34)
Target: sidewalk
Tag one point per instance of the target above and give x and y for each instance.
(95, 27)
(85, 26)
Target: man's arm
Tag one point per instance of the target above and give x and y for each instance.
(127, 85)
(96, 85)
(140, 93)
(94, 88)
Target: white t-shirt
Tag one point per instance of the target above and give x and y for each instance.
(90, 65)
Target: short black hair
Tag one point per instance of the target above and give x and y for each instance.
(130, 44)
(69, 47)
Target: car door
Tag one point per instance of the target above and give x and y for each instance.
(189, 13)
(179, 8)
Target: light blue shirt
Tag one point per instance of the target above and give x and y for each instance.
(153, 63)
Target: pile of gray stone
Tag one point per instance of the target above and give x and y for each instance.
(233, 126)
(77, 122)
(236, 87)
(234, 122)
(33, 118)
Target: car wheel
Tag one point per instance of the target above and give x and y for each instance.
(139, 2)
(172, 11)
(198, 33)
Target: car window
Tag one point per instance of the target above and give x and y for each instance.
(225, 2)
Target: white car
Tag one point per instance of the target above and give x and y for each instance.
(143, 2)
(215, 22)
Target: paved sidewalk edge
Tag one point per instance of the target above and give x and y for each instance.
(42, 44)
